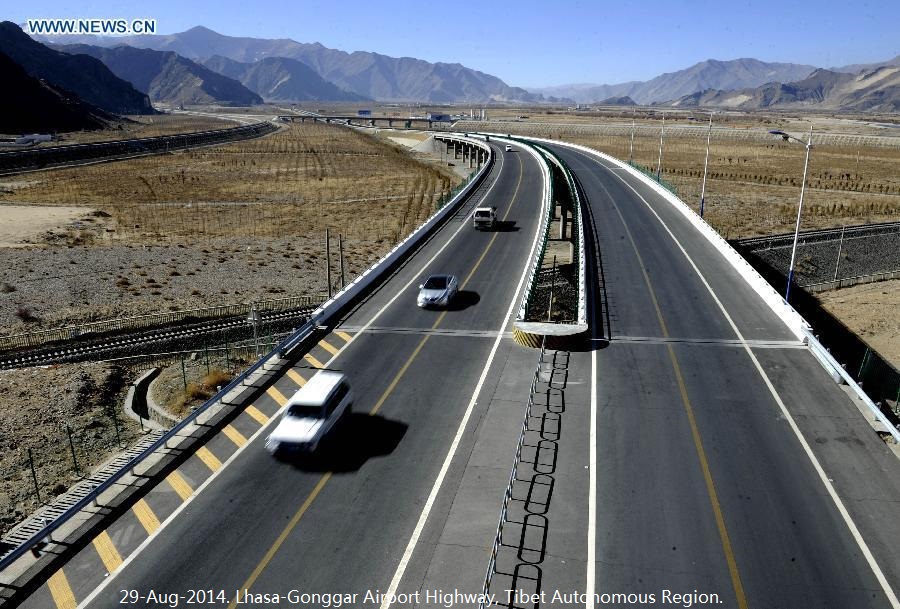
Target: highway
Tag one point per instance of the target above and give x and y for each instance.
(725, 460)
(340, 522)
(701, 451)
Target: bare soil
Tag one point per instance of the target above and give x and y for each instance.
(871, 311)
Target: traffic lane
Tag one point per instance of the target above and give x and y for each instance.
(638, 246)
(656, 528)
(791, 545)
(502, 178)
(488, 265)
(866, 473)
(249, 502)
(353, 535)
(751, 315)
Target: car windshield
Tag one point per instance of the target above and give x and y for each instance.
(438, 282)
(302, 411)
(481, 213)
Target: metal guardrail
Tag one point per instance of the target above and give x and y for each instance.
(507, 494)
(579, 227)
(33, 339)
(299, 339)
(839, 374)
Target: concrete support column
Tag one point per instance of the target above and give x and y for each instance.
(562, 222)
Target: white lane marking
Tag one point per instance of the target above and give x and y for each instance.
(445, 466)
(592, 480)
(826, 481)
(272, 421)
(415, 277)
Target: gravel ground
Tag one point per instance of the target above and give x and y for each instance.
(36, 405)
(53, 286)
(817, 260)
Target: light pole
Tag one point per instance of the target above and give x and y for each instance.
(705, 166)
(253, 318)
(808, 144)
(662, 133)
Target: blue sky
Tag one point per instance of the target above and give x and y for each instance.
(537, 43)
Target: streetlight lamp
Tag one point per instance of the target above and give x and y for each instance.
(705, 165)
(808, 144)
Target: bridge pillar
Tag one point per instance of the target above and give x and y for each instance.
(471, 157)
(302, 119)
(390, 122)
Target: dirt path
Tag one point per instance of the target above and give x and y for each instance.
(21, 225)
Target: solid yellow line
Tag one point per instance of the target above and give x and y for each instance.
(255, 412)
(328, 347)
(343, 335)
(61, 591)
(276, 395)
(146, 516)
(282, 537)
(710, 485)
(234, 435)
(206, 455)
(107, 551)
(725, 539)
(177, 482)
(295, 376)
(312, 360)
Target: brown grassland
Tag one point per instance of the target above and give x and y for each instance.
(292, 183)
(753, 186)
(145, 126)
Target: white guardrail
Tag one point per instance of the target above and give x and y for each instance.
(791, 318)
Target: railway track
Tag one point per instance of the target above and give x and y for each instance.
(173, 337)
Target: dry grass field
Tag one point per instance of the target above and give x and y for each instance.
(293, 183)
(145, 126)
(753, 186)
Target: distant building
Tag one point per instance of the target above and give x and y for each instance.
(433, 116)
(363, 113)
(34, 138)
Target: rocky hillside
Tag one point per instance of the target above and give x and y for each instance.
(84, 76)
(36, 107)
(876, 90)
(168, 77)
(281, 79)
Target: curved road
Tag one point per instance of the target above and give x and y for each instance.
(341, 522)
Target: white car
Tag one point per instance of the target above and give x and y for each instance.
(438, 291)
(508, 148)
(312, 413)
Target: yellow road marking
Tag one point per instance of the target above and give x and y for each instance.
(312, 360)
(206, 455)
(234, 435)
(107, 551)
(328, 347)
(177, 482)
(295, 376)
(276, 395)
(725, 539)
(146, 516)
(327, 476)
(343, 335)
(284, 535)
(255, 412)
(61, 591)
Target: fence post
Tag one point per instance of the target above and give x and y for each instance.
(115, 419)
(206, 355)
(328, 262)
(72, 448)
(863, 364)
(37, 492)
(183, 371)
(837, 262)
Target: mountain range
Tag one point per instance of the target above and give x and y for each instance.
(871, 90)
(86, 77)
(370, 75)
(167, 76)
(280, 79)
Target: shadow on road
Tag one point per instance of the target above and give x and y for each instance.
(358, 438)
(463, 300)
(506, 226)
